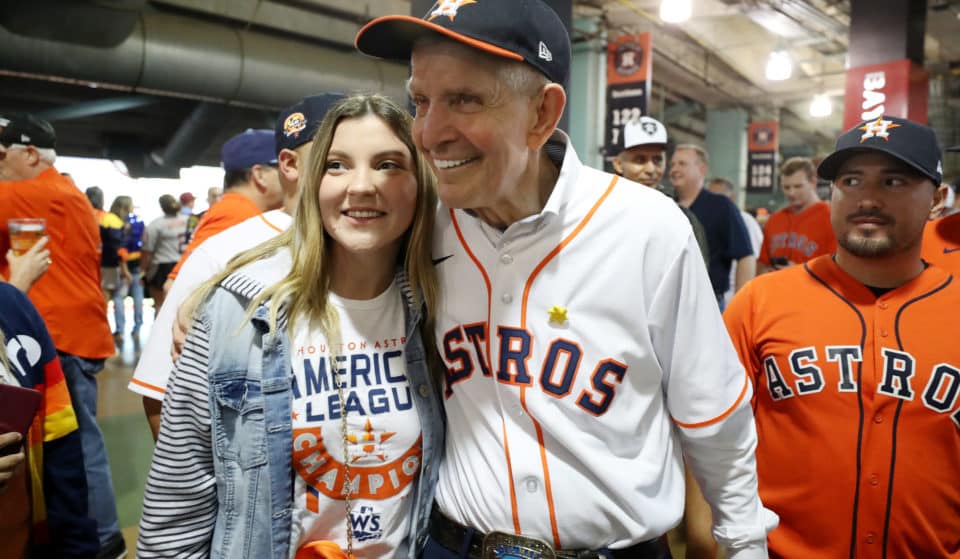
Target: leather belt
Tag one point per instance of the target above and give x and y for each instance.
(455, 536)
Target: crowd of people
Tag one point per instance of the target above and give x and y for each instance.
(371, 345)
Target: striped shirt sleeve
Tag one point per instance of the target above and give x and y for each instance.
(180, 499)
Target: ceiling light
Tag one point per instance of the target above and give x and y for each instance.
(675, 11)
(821, 106)
(779, 66)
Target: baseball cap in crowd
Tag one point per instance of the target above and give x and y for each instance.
(26, 130)
(186, 198)
(249, 148)
(524, 30)
(914, 144)
(642, 132)
(298, 123)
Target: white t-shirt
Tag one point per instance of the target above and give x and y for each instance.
(383, 441)
(211, 257)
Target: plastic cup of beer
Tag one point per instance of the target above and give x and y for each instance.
(26, 232)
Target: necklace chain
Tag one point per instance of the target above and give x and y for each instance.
(347, 482)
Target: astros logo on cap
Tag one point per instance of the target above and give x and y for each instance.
(449, 8)
(877, 129)
(294, 125)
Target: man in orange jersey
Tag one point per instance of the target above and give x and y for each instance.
(941, 240)
(857, 399)
(801, 230)
(251, 185)
(941, 243)
(68, 295)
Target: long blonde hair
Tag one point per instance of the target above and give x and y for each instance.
(303, 292)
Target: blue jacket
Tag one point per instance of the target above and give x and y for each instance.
(251, 380)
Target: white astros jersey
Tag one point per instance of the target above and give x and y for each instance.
(575, 341)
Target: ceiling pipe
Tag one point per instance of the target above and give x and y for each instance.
(168, 54)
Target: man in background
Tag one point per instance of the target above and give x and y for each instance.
(727, 235)
(294, 133)
(800, 231)
(644, 160)
(251, 185)
(724, 187)
(68, 295)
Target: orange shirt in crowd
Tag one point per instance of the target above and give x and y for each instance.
(232, 209)
(941, 243)
(798, 237)
(68, 295)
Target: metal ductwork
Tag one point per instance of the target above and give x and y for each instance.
(169, 54)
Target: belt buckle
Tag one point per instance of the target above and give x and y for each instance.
(501, 545)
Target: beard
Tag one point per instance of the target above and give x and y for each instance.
(867, 247)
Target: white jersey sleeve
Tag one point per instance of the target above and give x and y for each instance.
(153, 369)
(708, 397)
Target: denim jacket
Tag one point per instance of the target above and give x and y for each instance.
(251, 377)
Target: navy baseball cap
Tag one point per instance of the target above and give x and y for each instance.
(27, 130)
(246, 149)
(523, 30)
(298, 123)
(914, 144)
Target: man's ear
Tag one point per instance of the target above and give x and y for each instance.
(256, 173)
(548, 108)
(617, 165)
(287, 161)
(939, 201)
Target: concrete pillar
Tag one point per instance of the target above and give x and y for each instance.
(726, 143)
(586, 94)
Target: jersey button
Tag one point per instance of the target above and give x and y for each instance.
(871, 537)
(883, 305)
(506, 298)
(424, 390)
(874, 479)
(506, 259)
(878, 418)
(532, 485)
(883, 333)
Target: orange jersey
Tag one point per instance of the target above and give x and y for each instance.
(941, 243)
(68, 295)
(798, 237)
(856, 405)
(232, 209)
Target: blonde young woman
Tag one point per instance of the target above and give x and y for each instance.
(265, 450)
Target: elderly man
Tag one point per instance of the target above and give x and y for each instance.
(856, 388)
(801, 231)
(571, 390)
(68, 295)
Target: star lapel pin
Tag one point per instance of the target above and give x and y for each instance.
(558, 315)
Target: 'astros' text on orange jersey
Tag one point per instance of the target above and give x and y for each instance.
(856, 404)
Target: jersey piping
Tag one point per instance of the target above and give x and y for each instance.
(863, 338)
(548, 488)
(896, 417)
